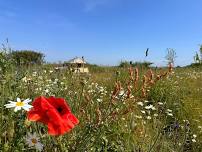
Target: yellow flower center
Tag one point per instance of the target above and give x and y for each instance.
(19, 104)
(34, 141)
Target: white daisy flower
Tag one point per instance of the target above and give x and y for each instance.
(33, 141)
(46, 91)
(199, 127)
(138, 117)
(170, 114)
(156, 115)
(19, 105)
(149, 117)
(140, 104)
(150, 107)
(168, 110)
(24, 79)
(121, 93)
(153, 108)
(99, 100)
(132, 96)
(142, 111)
(160, 103)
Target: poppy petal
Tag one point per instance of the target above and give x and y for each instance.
(32, 116)
(73, 119)
(55, 113)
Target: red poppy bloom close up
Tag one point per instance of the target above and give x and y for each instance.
(55, 113)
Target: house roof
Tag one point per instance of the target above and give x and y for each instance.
(77, 60)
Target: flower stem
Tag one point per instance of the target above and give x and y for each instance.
(59, 146)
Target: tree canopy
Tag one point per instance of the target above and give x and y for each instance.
(27, 57)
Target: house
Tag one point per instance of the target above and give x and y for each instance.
(78, 65)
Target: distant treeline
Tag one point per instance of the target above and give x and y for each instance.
(144, 64)
(30, 57)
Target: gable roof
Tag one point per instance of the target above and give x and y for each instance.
(77, 60)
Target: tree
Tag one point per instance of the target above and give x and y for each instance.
(171, 56)
(27, 57)
(198, 56)
(200, 50)
(125, 64)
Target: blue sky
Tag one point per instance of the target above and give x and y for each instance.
(104, 31)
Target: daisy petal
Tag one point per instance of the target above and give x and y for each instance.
(28, 106)
(29, 135)
(25, 108)
(9, 105)
(27, 100)
(39, 146)
(12, 102)
(16, 109)
(18, 100)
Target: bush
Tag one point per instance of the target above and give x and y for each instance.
(124, 64)
(144, 64)
(27, 57)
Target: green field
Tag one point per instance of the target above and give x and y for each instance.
(162, 115)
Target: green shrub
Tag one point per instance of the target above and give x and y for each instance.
(27, 57)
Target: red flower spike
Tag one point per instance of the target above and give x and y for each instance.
(55, 113)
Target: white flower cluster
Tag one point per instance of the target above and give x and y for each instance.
(31, 139)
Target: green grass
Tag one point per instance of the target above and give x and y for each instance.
(106, 124)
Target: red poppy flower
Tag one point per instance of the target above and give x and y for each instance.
(55, 113)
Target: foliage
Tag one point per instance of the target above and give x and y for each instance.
(125, 108)
(198, 56)
(144, 64)
(5, 60)
(27, 57)
(171, 56)
(118, 111)
(124, 64)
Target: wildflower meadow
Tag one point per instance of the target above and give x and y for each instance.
(123, 109)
